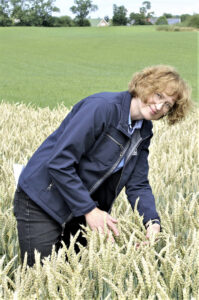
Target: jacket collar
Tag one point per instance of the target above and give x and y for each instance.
(147, 126)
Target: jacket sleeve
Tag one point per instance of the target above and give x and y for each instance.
(138, 186)
(86, 123)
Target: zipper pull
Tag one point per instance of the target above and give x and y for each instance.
(50, 186)
(63, 227)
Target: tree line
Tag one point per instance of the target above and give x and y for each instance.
(40, 13)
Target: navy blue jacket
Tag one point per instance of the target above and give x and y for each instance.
(78, 158)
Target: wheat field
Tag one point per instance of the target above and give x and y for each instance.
(166, 268)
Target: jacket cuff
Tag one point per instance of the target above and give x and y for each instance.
(154, 221)
(84, 211)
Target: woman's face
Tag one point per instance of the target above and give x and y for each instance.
(156, 107)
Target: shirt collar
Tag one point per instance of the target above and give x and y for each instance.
(137, 125)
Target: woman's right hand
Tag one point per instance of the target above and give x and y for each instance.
(96, 219)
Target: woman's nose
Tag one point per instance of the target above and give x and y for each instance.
(159, 106)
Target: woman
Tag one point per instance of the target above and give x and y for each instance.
(100, 147)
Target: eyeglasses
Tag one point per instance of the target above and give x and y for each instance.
(165, 105)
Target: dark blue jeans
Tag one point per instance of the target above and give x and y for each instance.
(37, 230)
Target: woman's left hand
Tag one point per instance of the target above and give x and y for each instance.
(152, 229)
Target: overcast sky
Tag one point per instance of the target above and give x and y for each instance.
(105, 7)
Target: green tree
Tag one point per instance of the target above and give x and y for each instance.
(144, 10)
(184, 17)
(193, 21)
(168, 15)
(41, 12)
(142, 18)
(33, 12)
(106, 18)
(4, 13)
(146, 6)
(19, 12)
(81, 9)
(161, 21)
(119, 15)
(63, 21)
(4, 7)
(137, 19)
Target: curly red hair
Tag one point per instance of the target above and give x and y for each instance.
(163, 78)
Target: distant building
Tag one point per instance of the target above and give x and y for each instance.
(172, 21)
(103, 23)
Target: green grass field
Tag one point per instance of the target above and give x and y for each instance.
(46, 66)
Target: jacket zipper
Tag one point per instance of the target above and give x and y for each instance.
(100, 181)
(133, 150)
(114, 140)
(127, 160)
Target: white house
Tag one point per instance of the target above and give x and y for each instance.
(103, 23)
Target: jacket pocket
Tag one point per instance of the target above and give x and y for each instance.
(108, 147)
(54, 201)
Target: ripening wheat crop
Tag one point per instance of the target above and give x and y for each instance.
(167, 268)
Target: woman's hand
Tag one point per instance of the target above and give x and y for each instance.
(96, 219)
(152, 229)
